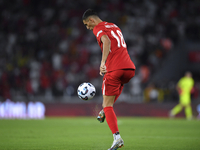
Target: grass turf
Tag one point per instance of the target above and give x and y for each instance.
(86, 133)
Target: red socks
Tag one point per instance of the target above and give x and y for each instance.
(111, 119)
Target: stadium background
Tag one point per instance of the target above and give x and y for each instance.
(46, 52)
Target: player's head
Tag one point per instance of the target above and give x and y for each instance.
(88, 13)
(90, 19)
(188, 74)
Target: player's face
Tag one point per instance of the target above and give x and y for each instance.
(89, 23)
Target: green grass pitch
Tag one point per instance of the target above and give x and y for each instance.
(86, 133)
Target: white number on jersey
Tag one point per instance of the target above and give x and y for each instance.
(119, 37)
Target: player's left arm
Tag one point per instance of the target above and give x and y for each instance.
(178, 87)
(105, 52)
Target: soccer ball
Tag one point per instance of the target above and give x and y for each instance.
(86, 91)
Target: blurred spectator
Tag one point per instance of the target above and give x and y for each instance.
(198, 110)
(43, 48)
(151, 93)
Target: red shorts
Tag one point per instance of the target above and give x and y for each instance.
(113, 82)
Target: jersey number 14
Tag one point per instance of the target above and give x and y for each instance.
(119, 37)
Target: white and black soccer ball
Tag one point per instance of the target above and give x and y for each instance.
(86, 91)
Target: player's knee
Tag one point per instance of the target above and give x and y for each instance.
(108, 101)
(187, 105)
(103, 105)
(107, 105)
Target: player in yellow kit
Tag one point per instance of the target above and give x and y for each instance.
(184, 88)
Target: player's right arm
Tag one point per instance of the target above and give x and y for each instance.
(105, 52)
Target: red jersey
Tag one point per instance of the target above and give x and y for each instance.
(118, 58)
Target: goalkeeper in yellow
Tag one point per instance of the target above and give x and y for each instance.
(184, 87)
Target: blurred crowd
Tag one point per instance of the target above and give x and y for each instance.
(46, 50)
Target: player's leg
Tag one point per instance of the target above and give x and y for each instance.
(111, 119)
(120, 91)
(186, 102)
(126, 76)
(188, 108)
(188, 111)
(176, 110)
(111, 86)
(101, 115)
(111, 89)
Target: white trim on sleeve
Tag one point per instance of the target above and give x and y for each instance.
(99, 32)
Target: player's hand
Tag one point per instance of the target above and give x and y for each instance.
(102, 69)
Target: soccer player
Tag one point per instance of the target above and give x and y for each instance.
(184, 87)
(116, 68)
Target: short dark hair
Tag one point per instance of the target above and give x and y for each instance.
(87, 13)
